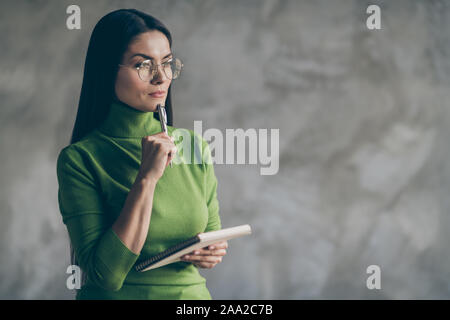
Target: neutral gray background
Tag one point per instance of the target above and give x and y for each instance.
(364, 141)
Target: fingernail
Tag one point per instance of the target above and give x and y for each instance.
(186, 257)
(196, 252)
(212, 247)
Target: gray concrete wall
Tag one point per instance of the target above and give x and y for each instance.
(364, 128)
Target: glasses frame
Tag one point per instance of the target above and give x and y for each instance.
(154, 68)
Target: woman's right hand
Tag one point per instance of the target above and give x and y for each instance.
(157, 151)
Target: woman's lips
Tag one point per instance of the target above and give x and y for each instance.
(157, 94)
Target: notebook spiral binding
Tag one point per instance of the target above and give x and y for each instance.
(164, 254)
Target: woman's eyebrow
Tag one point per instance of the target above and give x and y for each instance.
(147, 57)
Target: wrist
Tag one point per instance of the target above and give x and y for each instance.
(146, 182)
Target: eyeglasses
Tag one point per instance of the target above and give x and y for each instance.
(148, 71)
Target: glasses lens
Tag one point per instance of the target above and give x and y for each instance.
(173, 69)
(144, 71)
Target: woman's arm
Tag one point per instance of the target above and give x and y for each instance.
(134, 220)
(100, 253)
(105, 253)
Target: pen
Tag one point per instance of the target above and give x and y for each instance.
(163, 121)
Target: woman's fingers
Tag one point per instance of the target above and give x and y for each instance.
(219, 245)
(219, 252)
(203, 252)
(207, 257)
(203, 258)
(203, 261)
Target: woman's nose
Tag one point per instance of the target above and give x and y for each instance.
(159, 76)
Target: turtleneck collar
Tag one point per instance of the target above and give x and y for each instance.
(127, 122)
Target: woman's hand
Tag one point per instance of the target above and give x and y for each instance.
(157, 151)
(207, 257)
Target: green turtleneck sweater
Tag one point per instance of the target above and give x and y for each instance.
(95, 175)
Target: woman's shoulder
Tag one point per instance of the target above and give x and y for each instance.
(76, 153)
(69, 158)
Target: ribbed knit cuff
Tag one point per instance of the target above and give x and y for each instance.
(115, 255)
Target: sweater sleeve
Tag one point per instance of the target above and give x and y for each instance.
(210, 190)
(99, 251)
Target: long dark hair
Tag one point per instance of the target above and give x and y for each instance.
(109, 41)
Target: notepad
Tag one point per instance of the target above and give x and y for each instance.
(201, 240)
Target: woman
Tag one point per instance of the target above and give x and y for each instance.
(119, 200)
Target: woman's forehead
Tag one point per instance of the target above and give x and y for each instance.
(153, 44)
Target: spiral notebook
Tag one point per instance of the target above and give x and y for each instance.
(201, 240)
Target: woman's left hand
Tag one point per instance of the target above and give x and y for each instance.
(207, 257)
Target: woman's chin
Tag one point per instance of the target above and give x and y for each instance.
(151, 107)
(149, 100)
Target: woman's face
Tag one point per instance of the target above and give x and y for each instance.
(129, 88)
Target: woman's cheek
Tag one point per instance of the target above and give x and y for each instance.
(124, 85)
(136, 85)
